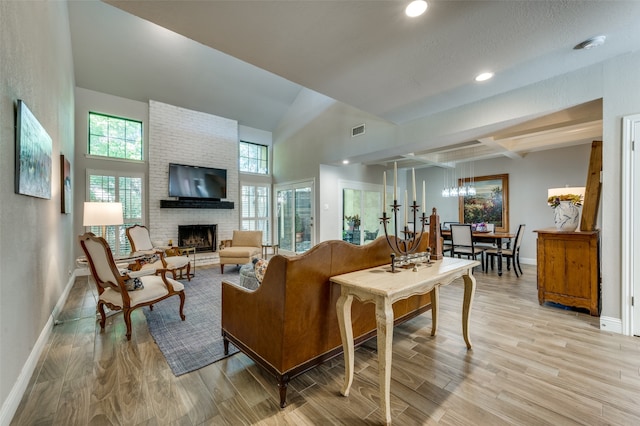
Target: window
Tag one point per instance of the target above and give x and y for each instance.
(254, 158)
(105, 186)
(255, 210)
(115, 137)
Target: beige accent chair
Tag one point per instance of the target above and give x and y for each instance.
(141, 245)
(244, 246)
(112, 285)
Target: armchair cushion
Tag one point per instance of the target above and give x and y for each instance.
(154, 289)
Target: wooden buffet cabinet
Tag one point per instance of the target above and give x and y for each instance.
(569, 268)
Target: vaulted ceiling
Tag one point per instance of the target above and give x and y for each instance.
(249, 60)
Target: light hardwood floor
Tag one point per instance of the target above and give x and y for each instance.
(530, 365)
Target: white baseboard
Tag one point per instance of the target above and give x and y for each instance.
(12, 402)
(614, 325)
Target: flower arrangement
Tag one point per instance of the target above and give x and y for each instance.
(554, 200)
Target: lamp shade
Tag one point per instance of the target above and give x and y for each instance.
(102, 214)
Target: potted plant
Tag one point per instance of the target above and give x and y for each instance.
(353, 222)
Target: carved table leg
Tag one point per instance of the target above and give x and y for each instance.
(343, 308)
(435, 300)
(384, 318)
(469, 291)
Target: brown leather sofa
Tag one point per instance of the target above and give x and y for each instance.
(289, 324)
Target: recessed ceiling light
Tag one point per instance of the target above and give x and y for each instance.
(484, 76)
(416, 8)
(345, 161)
(591, 43)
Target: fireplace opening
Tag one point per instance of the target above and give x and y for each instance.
(202, 237)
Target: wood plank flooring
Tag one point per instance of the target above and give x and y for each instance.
(530, 365)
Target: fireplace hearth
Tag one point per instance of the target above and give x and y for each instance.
(202, 237)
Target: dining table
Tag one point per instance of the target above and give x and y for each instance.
(494, 236)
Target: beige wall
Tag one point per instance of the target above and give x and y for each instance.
(36, 253)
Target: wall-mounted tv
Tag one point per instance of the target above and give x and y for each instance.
(193, 182)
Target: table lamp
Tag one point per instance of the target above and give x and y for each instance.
(102, 214)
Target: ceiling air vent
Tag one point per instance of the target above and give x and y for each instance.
(357, 131)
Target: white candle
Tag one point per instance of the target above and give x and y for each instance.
(384, 191)
(395, 181)
(406, 208)
(413, 178)
(424, 197)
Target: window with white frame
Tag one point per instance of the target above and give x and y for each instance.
(255, 209)
(115, 137)
(126, 188)
(253, 158)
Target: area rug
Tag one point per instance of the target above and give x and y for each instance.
(197, 341)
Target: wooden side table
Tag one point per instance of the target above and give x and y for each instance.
(274, 248)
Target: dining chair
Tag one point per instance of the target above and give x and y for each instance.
(512, 254)
(446, 244)
(487, 243)
(122, 292)
(463, 244)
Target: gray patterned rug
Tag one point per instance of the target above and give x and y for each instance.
(197, 341)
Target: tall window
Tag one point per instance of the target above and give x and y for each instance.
(106, 186)
(115, 137)
(255, 209)
(254, 158)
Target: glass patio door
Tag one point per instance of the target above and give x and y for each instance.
(294, 213)
(362, 208)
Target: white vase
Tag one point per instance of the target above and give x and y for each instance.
(566, 216)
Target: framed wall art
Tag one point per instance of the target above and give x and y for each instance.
(490, 204)
(65, 182)
(33, 155)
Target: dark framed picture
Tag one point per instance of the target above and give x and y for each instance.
(65, 182)
(33, 155)
(490, 204)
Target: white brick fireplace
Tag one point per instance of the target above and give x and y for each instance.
(178, 135)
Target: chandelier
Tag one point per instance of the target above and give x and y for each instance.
(454, 186)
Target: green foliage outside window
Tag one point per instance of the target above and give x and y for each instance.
(115, 137)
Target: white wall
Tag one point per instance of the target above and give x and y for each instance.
(529, 179)
(323, 140)
(179, 135)
(36, 253)
(90, 101)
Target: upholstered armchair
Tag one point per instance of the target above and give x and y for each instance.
(141, 245)
(242, 248)
(124, 292)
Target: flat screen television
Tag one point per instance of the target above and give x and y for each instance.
(193, 182)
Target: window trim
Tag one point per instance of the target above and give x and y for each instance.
(268, 217)
(267, 160)
(118, 174)
(106, 157)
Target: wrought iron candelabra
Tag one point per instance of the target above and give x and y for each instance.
(405, 254)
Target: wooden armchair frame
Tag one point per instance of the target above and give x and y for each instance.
(111, 285)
